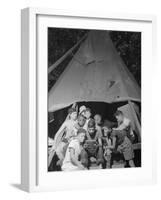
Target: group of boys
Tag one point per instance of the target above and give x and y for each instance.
(85, 140)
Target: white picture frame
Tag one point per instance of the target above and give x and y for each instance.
(33, 175)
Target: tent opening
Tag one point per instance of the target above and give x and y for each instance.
(106, 110)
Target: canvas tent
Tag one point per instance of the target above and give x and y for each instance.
(96, 73)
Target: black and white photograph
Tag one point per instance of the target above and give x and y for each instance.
(94, 99)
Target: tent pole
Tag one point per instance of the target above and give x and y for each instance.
(52, 67)
(136, 119)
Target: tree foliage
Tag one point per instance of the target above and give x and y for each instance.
(128, 45)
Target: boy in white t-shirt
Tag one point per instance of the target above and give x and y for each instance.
(71, 161)
(61, 142)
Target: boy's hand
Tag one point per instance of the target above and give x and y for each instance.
(51, 150)
(119, 148)
(81, 167)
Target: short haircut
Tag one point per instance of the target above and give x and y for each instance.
(91, 123)
(108, 124)
(88, 110)
(118, 112)
(80, 115)
(105, 124)
(98, 115)
(81, 130)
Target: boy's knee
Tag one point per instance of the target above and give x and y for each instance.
(100, 156)
(84, 158)
(100, 153)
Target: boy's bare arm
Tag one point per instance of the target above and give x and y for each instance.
(113, 143)
(58, 134)
(74, 160)
(99, 141)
